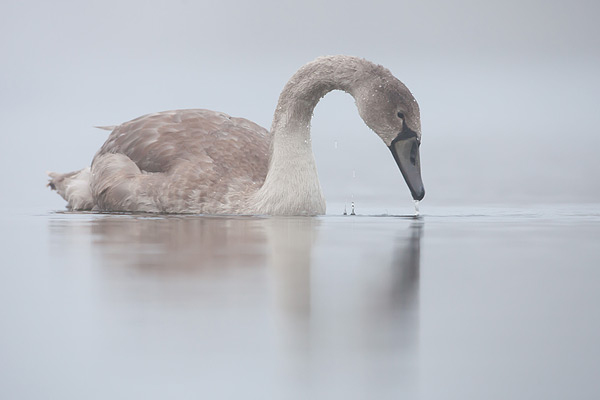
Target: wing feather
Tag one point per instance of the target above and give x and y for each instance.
(157, 142)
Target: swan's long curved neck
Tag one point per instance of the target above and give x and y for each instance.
(292, 185)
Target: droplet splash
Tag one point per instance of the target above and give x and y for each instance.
(416, 208)
(352, 213)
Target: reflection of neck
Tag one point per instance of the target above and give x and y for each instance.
(291, 241)
(292, 184)
(290, 256)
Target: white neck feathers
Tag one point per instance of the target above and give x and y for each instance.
(292, 185)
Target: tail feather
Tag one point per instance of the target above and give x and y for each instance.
(74, 187)
(107, 128)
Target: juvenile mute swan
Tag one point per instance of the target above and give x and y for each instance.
(206, 162)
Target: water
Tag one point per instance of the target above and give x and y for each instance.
(490, 303)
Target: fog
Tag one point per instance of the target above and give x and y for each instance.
(508, 91)
(490, 294)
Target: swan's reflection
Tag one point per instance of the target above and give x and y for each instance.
(317, 301)
(347, 300)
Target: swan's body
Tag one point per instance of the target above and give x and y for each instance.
(201, 161)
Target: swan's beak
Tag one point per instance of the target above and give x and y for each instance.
(405, 149)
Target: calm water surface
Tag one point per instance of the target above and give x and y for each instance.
(486, 303)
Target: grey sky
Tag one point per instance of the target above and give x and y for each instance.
(508, 90)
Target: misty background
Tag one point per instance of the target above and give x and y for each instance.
(508, 90)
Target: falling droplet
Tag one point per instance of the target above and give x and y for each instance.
(352, 213)
(416, 207)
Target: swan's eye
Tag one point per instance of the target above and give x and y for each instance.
(400, 115)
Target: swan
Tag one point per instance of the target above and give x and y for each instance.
(207, 162)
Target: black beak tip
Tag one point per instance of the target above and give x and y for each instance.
(419, 195)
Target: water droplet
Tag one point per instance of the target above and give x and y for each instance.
(416, 207)
(352, 213)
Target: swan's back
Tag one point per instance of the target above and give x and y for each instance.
(198, 161)
(158, 142)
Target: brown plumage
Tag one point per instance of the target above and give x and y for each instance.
(194, 161)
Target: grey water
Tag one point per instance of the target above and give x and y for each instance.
(460, 302)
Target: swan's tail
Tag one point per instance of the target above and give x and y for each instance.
(74, 187)
(107, 128)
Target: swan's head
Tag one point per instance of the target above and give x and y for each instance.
(389, 109)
